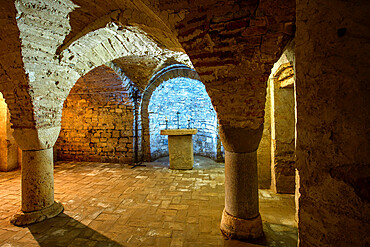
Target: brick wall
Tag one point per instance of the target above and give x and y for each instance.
(97, 122)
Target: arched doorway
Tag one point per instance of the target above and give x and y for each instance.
(185, 103)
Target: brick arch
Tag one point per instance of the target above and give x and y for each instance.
(13, 81)
(44, 79)
(43, 42)
(107, 44)
(110, 43)
(90, 16)
(167, 73)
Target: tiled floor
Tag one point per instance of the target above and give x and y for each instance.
(117, 205)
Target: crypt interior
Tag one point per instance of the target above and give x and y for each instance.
(275, 94)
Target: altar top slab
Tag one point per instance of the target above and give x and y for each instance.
(179, 132)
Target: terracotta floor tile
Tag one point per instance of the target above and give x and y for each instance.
(114, 205)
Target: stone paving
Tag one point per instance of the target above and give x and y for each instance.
(120, 205)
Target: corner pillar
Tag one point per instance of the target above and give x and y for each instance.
(37, 197)
(241, 218)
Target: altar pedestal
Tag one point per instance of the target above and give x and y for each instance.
(180, 147)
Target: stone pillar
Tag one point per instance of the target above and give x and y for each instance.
(241, 218)
(37, 175)
(37, 179)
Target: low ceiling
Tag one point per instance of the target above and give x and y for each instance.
(90, 15)
(130, 48)
(141, 69)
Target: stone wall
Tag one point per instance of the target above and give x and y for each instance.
(276, 151)
(283, 123)
(97, 122)
(333, 109)
(190, 99)
(8, 146)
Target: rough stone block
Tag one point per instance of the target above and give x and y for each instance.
(180, 146)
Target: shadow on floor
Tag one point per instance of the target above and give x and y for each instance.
(66, 231)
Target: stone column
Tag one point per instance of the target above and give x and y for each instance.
(241, 218)
(37, 175)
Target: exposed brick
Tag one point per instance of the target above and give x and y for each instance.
(91, 114)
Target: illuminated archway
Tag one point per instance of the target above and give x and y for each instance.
(185, 103)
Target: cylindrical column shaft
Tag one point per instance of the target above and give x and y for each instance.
(37, 175)
(241, 185)
(241, 218)
(37, 179)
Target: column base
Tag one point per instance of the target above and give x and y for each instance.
(26, 218)
(236, 228)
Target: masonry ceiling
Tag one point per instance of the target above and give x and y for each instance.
(91, 15)
(100, 79)
(232, 45)
(139, 70)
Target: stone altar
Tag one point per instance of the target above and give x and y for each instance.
(180, 147)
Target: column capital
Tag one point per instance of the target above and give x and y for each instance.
(240, 140)
(36, 139)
